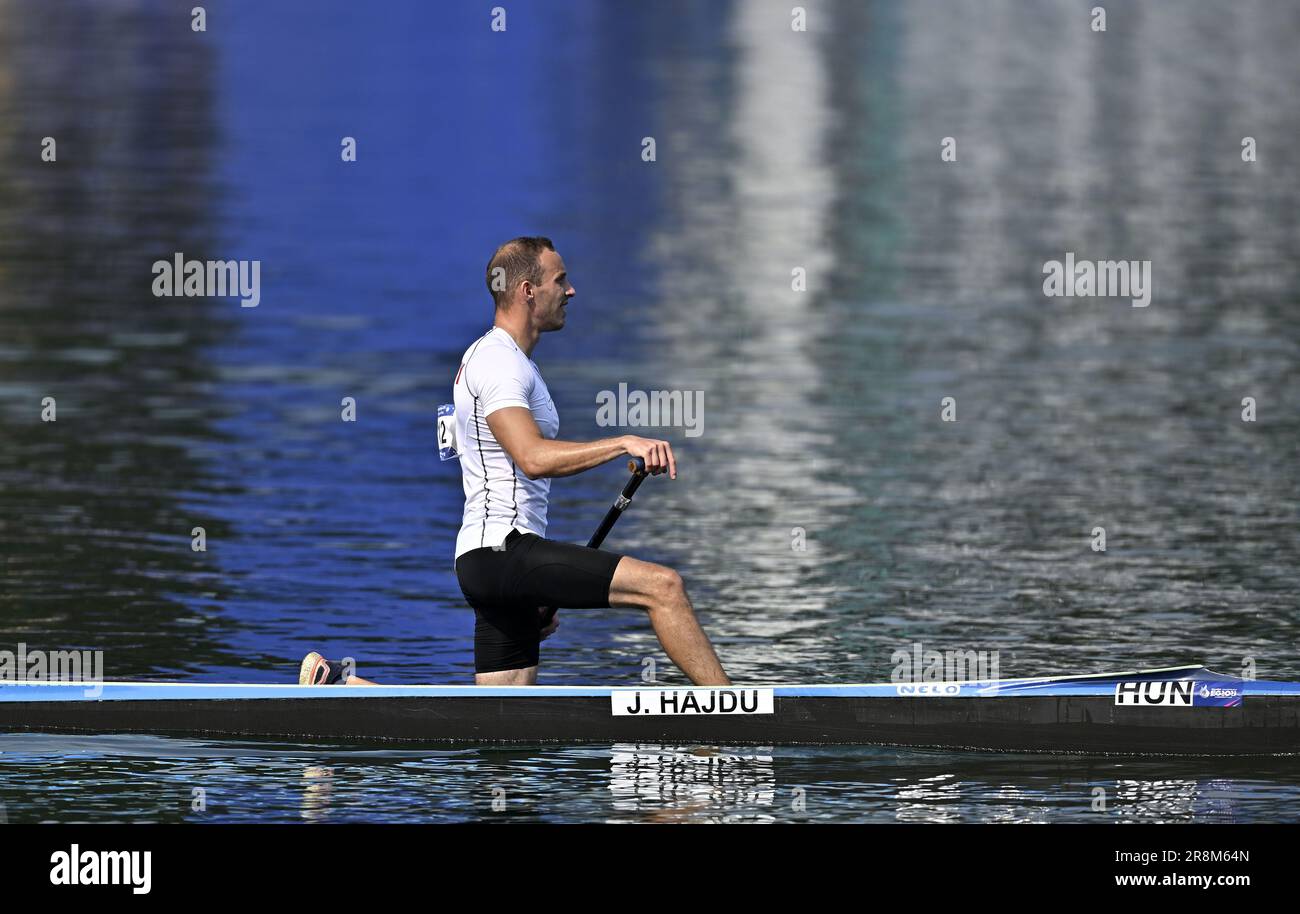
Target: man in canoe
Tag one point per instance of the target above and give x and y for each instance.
(506, 426)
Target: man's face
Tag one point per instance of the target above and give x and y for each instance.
(553, 294)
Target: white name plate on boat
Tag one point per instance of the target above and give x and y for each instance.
(660, 702)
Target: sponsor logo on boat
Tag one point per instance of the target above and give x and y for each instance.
(1178, 693)
(1208, 691)
(664, 702)
(1218, 694)
(928, 688)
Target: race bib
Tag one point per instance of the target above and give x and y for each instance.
(447, 449)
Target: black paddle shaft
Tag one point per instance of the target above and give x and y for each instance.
(635, 466)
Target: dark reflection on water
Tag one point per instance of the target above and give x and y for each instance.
(776, 152)
(95, 509)
(133, 778)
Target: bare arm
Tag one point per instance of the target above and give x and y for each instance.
(540, 458)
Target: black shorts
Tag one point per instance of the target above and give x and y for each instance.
(506, 588)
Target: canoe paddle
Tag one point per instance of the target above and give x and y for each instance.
(635, 466)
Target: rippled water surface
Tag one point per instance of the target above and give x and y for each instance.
(776, 152)
(147, 779)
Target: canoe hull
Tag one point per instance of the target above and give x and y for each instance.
(1262, 724)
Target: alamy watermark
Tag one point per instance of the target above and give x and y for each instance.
(181, 278)
(916, 664)
(86, 867)
(1102, 279)
(682, 409)
(38, 667)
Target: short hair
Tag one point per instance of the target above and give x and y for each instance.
(521, 259)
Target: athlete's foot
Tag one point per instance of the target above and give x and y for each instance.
(316, 670)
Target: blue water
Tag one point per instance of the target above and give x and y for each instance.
(147, 779)
(775, 151)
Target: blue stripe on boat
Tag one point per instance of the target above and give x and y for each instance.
(1101, 684)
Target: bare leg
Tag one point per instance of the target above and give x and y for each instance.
(357, 680)
(660, 592)
(524, 676)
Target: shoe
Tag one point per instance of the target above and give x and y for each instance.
(316, 670)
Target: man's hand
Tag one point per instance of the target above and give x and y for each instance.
(550, 628)
(658, 455)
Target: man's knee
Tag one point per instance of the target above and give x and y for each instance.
(668, 581)
(664, 587)
(646, 584)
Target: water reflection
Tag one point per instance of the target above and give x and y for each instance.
(674, 784)
(97, 506)
(141, 778)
